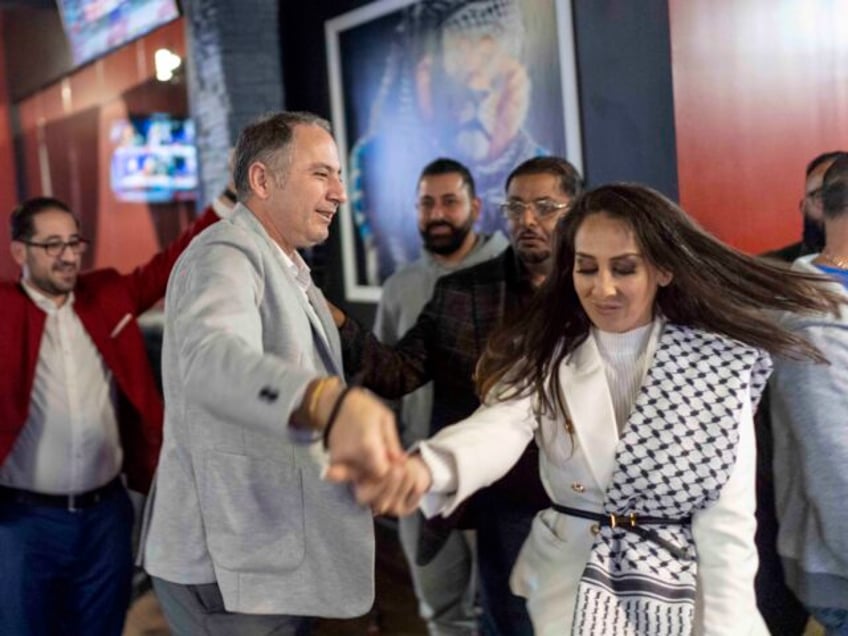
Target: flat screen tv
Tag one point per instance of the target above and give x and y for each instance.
(154, 159)
(95, 27)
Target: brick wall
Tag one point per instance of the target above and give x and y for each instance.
(234, 75)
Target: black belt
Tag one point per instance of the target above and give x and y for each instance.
(631, 523)
(68, 502)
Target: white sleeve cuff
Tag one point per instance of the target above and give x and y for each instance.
(443, 479)
(442, 468)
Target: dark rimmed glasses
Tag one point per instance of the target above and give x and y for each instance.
(55, 248)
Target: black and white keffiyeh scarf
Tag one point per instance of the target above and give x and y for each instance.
(675, 455)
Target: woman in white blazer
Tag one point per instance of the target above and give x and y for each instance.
(638, 371)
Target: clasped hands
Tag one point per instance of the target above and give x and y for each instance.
(365, 451)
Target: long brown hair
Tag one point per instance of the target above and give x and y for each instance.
(714, 288)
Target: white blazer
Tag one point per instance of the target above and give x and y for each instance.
(481, 448)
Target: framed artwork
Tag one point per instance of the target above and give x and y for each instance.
(489, 83)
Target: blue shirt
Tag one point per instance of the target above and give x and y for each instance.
(834, 272)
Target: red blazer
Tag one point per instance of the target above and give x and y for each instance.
(103, 300)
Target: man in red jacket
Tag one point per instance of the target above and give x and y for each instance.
(78, 407)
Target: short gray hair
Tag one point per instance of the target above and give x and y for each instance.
(267, 140)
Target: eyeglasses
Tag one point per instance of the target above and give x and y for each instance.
(55, 248)
(542, 208)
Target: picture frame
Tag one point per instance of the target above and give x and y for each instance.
(489, 83)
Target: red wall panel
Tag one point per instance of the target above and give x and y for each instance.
(8, 194)
(760, 88)
(118, 221)
(65, 141)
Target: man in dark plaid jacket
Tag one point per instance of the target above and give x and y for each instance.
(444, 346)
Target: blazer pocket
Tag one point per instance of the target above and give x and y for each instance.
(253, 512)
(545, 531)
(541, 546)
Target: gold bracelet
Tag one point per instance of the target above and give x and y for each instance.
(313, 399)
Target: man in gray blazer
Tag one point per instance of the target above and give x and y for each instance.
(244, 536)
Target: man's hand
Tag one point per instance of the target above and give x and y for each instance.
(363, 441)
(338, 315)
(399, 491)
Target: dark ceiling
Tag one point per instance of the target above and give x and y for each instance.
(28, 4)
(35, 46)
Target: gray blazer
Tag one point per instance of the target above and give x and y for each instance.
(238, 496)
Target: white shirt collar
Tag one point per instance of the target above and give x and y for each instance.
(44, 302)
(298, 267)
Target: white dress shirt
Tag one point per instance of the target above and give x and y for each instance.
(70, 442)
(303, 277)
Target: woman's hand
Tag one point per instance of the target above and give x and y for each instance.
(399, 491)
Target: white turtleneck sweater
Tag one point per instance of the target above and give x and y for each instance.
(626, 359)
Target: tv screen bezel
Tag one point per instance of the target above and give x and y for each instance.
(75, 65)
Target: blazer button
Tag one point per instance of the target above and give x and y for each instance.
(578, 487)
(595, 529)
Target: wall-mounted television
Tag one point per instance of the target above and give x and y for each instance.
(154, 159)
(95, 27)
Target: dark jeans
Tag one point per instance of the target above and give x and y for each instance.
(65, 572)
(781, 610)
(834, 620)
(500, 535)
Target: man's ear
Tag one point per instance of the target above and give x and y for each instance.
(259, 177)
(476, 207)
(18, 251)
